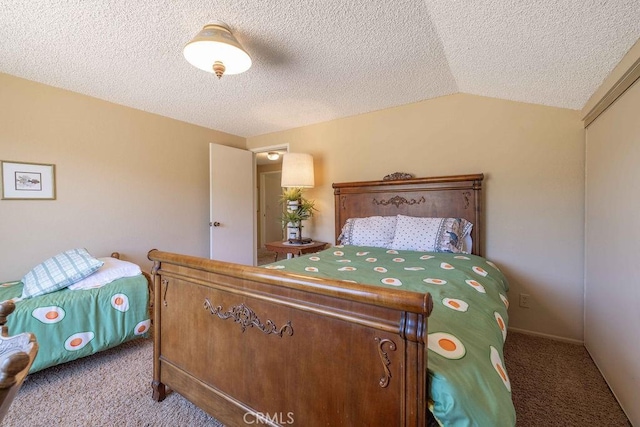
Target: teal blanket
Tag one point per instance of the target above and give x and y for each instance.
(469, 385)
(70, 324)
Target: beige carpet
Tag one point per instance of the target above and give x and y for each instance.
(553, 383)
(112, 388)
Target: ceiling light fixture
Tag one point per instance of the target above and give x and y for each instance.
(216, 50)
(273, 155)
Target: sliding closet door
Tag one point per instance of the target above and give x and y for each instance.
(612, 258)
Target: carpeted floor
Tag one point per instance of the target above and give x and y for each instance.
(112, 388)
(553, 384)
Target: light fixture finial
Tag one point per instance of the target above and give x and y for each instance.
(218, 69)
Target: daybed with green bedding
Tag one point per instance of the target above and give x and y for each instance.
(70, 324)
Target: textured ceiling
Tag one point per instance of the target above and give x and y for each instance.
(317, 60)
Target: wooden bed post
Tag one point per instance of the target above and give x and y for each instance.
(478, 243)
(159, 389)
(6, 308)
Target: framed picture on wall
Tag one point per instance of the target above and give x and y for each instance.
(28, 181)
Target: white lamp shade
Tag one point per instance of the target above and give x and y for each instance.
(216, 43)
(297, 170)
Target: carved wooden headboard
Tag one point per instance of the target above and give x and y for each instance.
(456, 196)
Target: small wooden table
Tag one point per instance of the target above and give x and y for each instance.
(292, 250)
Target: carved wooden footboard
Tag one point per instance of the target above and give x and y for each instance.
(255, 346)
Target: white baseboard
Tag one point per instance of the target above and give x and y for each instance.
(540, 334)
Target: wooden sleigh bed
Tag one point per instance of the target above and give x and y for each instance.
(253, 345)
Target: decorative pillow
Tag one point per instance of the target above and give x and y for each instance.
(431, 234)
(467, 244)
(59, 272)
(375, 231)
(111, 270)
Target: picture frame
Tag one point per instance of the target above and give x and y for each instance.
(28, 181)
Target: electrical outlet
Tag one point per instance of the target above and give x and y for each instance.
(524, 300)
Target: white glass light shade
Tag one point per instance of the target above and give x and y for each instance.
(297, 170)
(273, 155)
(215, 43)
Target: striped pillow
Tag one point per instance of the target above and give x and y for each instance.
(59, 272)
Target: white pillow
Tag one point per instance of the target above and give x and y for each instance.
(467, 244)
(111, 270)
(375, 231)
(431, 234)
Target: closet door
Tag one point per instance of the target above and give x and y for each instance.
(612, 247)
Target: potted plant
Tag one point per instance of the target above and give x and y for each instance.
(292, 220)
(298, 209)
(291, 197)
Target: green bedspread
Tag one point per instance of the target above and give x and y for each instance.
(469, 385)
(72, 324)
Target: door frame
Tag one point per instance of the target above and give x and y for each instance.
(256, 198)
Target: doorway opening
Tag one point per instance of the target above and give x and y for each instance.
(268, 174)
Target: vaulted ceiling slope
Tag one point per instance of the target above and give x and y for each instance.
(317, 60)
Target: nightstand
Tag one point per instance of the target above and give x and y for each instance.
(292, 250)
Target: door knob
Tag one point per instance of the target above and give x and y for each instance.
(215, 224)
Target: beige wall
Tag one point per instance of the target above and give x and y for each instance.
(533, 161)
(126, 180)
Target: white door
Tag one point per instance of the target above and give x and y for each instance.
(270, 207)
(232, 212)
